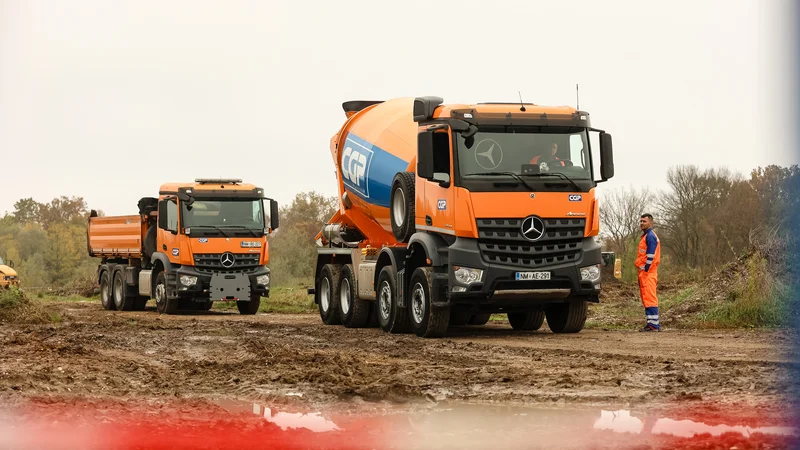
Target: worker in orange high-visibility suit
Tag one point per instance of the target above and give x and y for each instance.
(648, 257)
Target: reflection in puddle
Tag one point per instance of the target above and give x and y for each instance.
(313, 421)
(622, 422)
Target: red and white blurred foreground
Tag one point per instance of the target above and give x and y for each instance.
(186, 424)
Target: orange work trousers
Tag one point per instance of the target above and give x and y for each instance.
(647, 288)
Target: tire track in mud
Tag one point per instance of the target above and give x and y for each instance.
(274, 357)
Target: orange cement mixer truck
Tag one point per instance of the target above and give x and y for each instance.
(450, 213)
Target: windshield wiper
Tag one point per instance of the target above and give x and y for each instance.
(512, 174)
(212, 226)
(252, 231)
(553, 174)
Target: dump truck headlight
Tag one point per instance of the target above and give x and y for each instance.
(263, 279)
(188, 280)
(590, 273)
(467, 275)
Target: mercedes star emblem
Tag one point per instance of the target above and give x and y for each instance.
(227, 260)
(532, 228)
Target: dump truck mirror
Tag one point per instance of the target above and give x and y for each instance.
(425, 155)
(606, 157)
(185, 198)
(273, 215)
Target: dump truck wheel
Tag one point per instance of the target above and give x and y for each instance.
(567, 317)
(391, 317)
(164, 304)
(401, 210)
(122, 301)
(526, 321)
(480, 319)
(250, 307)
(105, 292)
(353, 312)
(327, 293)
(426, 321)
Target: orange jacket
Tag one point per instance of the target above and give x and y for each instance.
(648, 255)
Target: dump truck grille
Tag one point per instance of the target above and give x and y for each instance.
(501, 242)
(206, 262)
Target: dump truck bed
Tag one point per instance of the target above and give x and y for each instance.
(116, 236)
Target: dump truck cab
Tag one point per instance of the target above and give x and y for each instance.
(8, 276)
(194, 244)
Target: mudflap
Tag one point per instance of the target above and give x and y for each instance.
(229, 286)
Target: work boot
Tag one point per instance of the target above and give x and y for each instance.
(649, 328)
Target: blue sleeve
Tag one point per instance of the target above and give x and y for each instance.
(652, 243)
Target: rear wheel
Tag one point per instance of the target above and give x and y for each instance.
(105, 292)
(391, 317)
(426, 320)
(250, 307)
(122, 301)
(526, 321)
(353, 312)
(567, 317)
(402, 206)
(327, 290)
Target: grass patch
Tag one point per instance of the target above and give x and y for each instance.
(15, 307)
(282, 300)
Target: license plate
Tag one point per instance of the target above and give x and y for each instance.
(525, 276)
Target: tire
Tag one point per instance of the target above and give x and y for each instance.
(526, 321)
(401, 206)
(459, 317)
(480, 319)
(251, 307)
(353, 312)
(164, 304)
(426, 321)
(119, 288)
(326, 292)
(567, 317)
(391, 317)
(105, 292)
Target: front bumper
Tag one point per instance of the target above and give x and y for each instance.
(498, 285)
(201, 289)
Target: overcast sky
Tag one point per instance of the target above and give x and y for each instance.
(109, 99)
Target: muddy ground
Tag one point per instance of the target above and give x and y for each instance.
(295, 360)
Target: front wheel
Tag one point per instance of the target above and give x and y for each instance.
(567, 317)
(250, 307)
(164, 304)
(426, 321)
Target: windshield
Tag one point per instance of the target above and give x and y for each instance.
(521, 151)
(221, 213)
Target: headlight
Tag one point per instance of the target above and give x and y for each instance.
(591, 273)
(188, 280)
(251, 244)
(467, 275)
(263, 279)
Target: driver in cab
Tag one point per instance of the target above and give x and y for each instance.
(545, 161)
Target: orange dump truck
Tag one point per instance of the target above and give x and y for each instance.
(195, 244)
(449, 213)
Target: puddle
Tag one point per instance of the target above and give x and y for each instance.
(313, 421)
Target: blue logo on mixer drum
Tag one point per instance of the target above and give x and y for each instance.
(355, 167)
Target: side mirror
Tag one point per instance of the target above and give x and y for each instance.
(606, 157)
(425, 155)
(273, 215)
(162, 214)
(185, 198)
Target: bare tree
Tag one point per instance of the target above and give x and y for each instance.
(619, 215)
